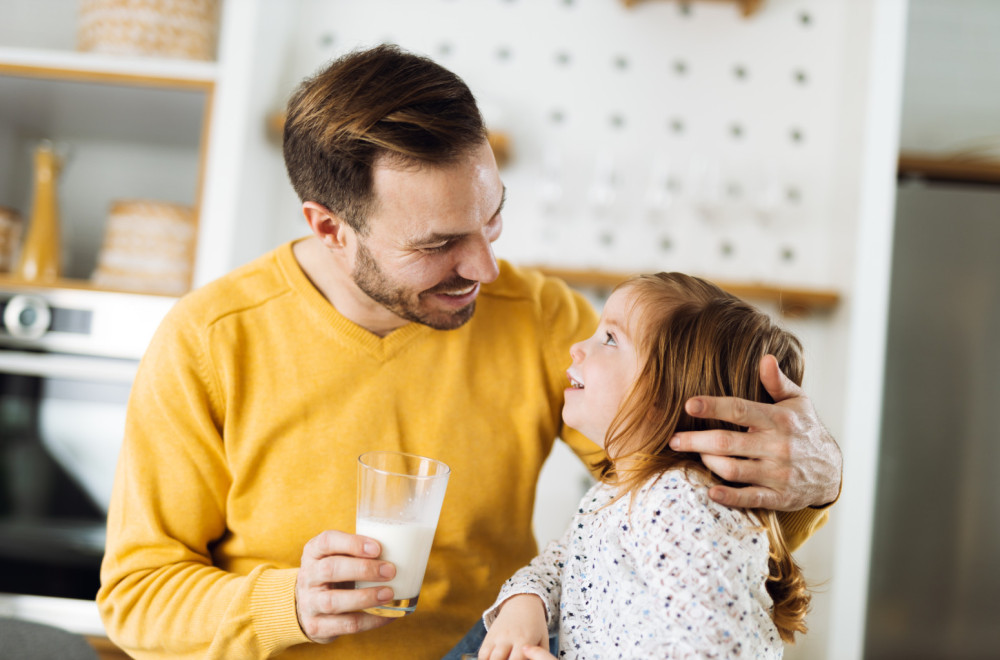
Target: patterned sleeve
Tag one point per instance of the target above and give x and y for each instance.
(541, 577)
(704, 568)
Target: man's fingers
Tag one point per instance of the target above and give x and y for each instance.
(751, 497)
(330, 613)
(731, 409)
(343, 601)
(775, 382)
(332, 542)
(718, 442)
(341, 568)
(742, 471)
(326, 628)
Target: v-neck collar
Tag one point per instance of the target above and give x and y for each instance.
(342, 328)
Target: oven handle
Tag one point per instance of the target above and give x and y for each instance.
(71, 367)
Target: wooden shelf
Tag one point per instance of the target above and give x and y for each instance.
(10, 281)
(92, 67)
(793, 302)
(747, 7)
(952, 168)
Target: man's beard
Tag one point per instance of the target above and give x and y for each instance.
(406, 304)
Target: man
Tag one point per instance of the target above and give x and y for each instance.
(392, 327)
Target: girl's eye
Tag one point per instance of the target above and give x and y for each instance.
(609, 339)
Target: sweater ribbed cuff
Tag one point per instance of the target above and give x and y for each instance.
(490, 615)
(272, 606)
(800, 525)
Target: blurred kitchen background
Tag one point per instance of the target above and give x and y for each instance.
(835, 161)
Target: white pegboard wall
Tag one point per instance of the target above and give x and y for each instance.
(667, 136)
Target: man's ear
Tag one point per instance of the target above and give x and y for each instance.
(327, 226)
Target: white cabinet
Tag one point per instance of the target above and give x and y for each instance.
(170, 130)
(132, 129)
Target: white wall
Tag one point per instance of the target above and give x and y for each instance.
(951, 92)
(756, 149)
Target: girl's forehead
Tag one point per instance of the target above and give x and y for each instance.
(615, 305)
(622, 310)
(622, 303)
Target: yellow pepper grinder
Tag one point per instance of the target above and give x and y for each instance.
(40, 253)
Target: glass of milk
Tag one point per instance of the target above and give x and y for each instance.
(399, 501)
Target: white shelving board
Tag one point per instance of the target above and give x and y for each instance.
(131, 127)
(194, 72)
(668, 136)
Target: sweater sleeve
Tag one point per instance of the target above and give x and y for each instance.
(798, 526)
(541, 577)
(161, 595)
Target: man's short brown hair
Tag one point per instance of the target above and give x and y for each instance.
(366, 106)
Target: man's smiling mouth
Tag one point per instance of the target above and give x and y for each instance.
(461, 292)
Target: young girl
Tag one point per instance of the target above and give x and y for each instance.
(650, 567)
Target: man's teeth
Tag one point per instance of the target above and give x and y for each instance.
(461, 292)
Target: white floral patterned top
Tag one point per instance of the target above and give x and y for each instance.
(678, 576)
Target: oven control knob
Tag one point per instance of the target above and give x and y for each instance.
(27, 317)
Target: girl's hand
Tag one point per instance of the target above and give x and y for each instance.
(537, 653)
(520, 624)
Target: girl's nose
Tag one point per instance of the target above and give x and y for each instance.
(576, 351)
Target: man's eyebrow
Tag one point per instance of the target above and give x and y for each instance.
(437, 237)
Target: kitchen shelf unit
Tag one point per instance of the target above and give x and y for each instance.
(134, 127)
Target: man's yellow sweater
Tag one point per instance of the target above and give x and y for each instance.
(246, 419)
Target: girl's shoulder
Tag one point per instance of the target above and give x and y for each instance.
(681, 495)
(675, 484)
(596, 498)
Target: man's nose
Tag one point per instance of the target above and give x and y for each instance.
(479, 263)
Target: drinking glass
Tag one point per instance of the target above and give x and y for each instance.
(399, 502)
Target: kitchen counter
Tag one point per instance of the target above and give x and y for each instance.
(77, 616)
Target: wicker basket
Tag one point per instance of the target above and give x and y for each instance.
(161, 28)
(148, 247)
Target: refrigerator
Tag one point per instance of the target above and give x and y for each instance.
(934, 588)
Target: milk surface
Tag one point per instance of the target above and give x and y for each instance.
(405, 544)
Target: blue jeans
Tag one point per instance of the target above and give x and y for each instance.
(474, 639)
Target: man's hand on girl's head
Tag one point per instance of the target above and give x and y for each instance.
(787, 458)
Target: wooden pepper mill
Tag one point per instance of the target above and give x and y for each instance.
(40, 253)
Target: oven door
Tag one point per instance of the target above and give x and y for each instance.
(62, 418)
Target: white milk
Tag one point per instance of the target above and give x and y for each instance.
(405, 544)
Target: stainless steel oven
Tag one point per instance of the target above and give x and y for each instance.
(67, 361)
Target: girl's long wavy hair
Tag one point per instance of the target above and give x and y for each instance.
(694, 339)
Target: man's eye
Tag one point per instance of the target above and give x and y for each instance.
(435, 248)
(609, 339)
